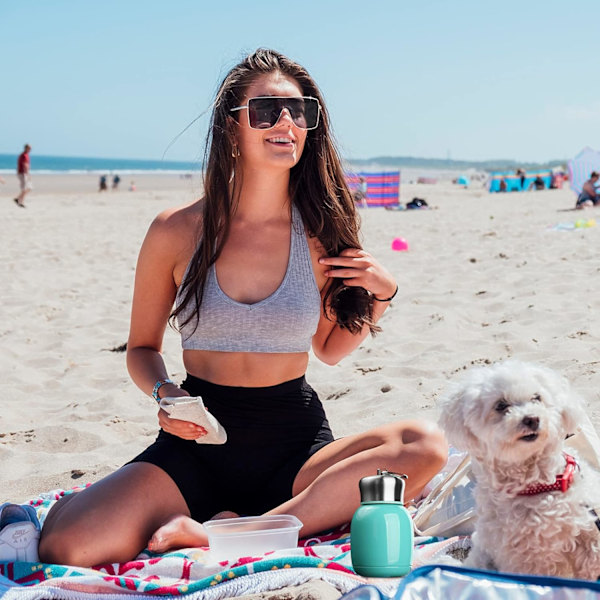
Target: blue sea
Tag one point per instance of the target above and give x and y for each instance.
(79, 164)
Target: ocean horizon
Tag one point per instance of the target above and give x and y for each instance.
(78, 165)
(46, 164)
(43, 164)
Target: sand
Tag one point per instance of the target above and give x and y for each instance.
(484, 279)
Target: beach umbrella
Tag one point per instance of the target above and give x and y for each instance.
(581, 166)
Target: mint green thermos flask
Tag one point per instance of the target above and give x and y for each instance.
(381, 532)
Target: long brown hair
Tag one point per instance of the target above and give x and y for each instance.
(317, 187)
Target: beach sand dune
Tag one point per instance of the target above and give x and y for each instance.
(485, 279)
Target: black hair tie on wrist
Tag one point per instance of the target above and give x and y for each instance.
(386, 299)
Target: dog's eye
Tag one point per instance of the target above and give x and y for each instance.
(501, 406)
(536, 398)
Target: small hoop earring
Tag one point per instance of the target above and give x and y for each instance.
(235, 151)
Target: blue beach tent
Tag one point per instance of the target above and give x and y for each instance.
(513, 181)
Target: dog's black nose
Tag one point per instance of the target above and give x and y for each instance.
(532, 422)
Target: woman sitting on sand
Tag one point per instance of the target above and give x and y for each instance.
(265, 265)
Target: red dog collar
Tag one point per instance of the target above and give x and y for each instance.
(562, 483)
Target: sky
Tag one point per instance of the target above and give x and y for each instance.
(463, 79)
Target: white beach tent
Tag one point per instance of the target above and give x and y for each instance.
(581, 166)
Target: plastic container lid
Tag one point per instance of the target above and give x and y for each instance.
(248, 536)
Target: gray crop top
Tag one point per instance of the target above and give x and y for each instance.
(285, 321)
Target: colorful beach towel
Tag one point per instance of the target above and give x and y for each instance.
(190, 573)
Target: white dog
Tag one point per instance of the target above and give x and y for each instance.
(535, 497)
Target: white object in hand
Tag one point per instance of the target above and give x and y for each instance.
(186, 408)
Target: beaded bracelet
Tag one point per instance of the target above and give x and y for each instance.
(386, 299)
(157, 387)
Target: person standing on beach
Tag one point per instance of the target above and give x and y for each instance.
(265, 266)
(23, 173)
(521, 174)
(361, 192)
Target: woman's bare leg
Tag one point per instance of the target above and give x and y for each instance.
(112, 520)
(326, 490)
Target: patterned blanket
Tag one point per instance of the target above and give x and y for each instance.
(191, 574)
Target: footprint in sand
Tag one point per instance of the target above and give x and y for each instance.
(59, 439)
(339, 394)
(365, 370)
(15, 437)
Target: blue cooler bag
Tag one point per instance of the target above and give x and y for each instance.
(441, 582)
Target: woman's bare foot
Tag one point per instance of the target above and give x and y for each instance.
(179, 532)
(225, 514)
(183, 532)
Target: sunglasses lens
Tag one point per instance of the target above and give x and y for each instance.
(265, 112)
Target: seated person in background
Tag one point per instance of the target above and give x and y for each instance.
(589, 194)
(538, 183)
(503, 185)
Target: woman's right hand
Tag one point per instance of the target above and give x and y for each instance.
(183, 429)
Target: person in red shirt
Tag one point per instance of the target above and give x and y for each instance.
(23, 168)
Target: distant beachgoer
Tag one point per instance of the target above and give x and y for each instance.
(115, 182)
(503, 185)
(103, 185)
(589, 193)
(538, 183)
(132, 186)
(23, 173)
(557, 181)
(520, 173)
(360, 193)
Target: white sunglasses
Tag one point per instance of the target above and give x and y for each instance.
(265, 111)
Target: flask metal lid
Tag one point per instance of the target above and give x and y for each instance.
(383, 487)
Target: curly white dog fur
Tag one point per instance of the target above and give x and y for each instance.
(513, 418)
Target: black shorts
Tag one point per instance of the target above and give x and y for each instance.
(271, 433)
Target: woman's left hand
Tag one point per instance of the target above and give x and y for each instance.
(357, 268)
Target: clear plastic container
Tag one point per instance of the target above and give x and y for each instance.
(250, 536)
